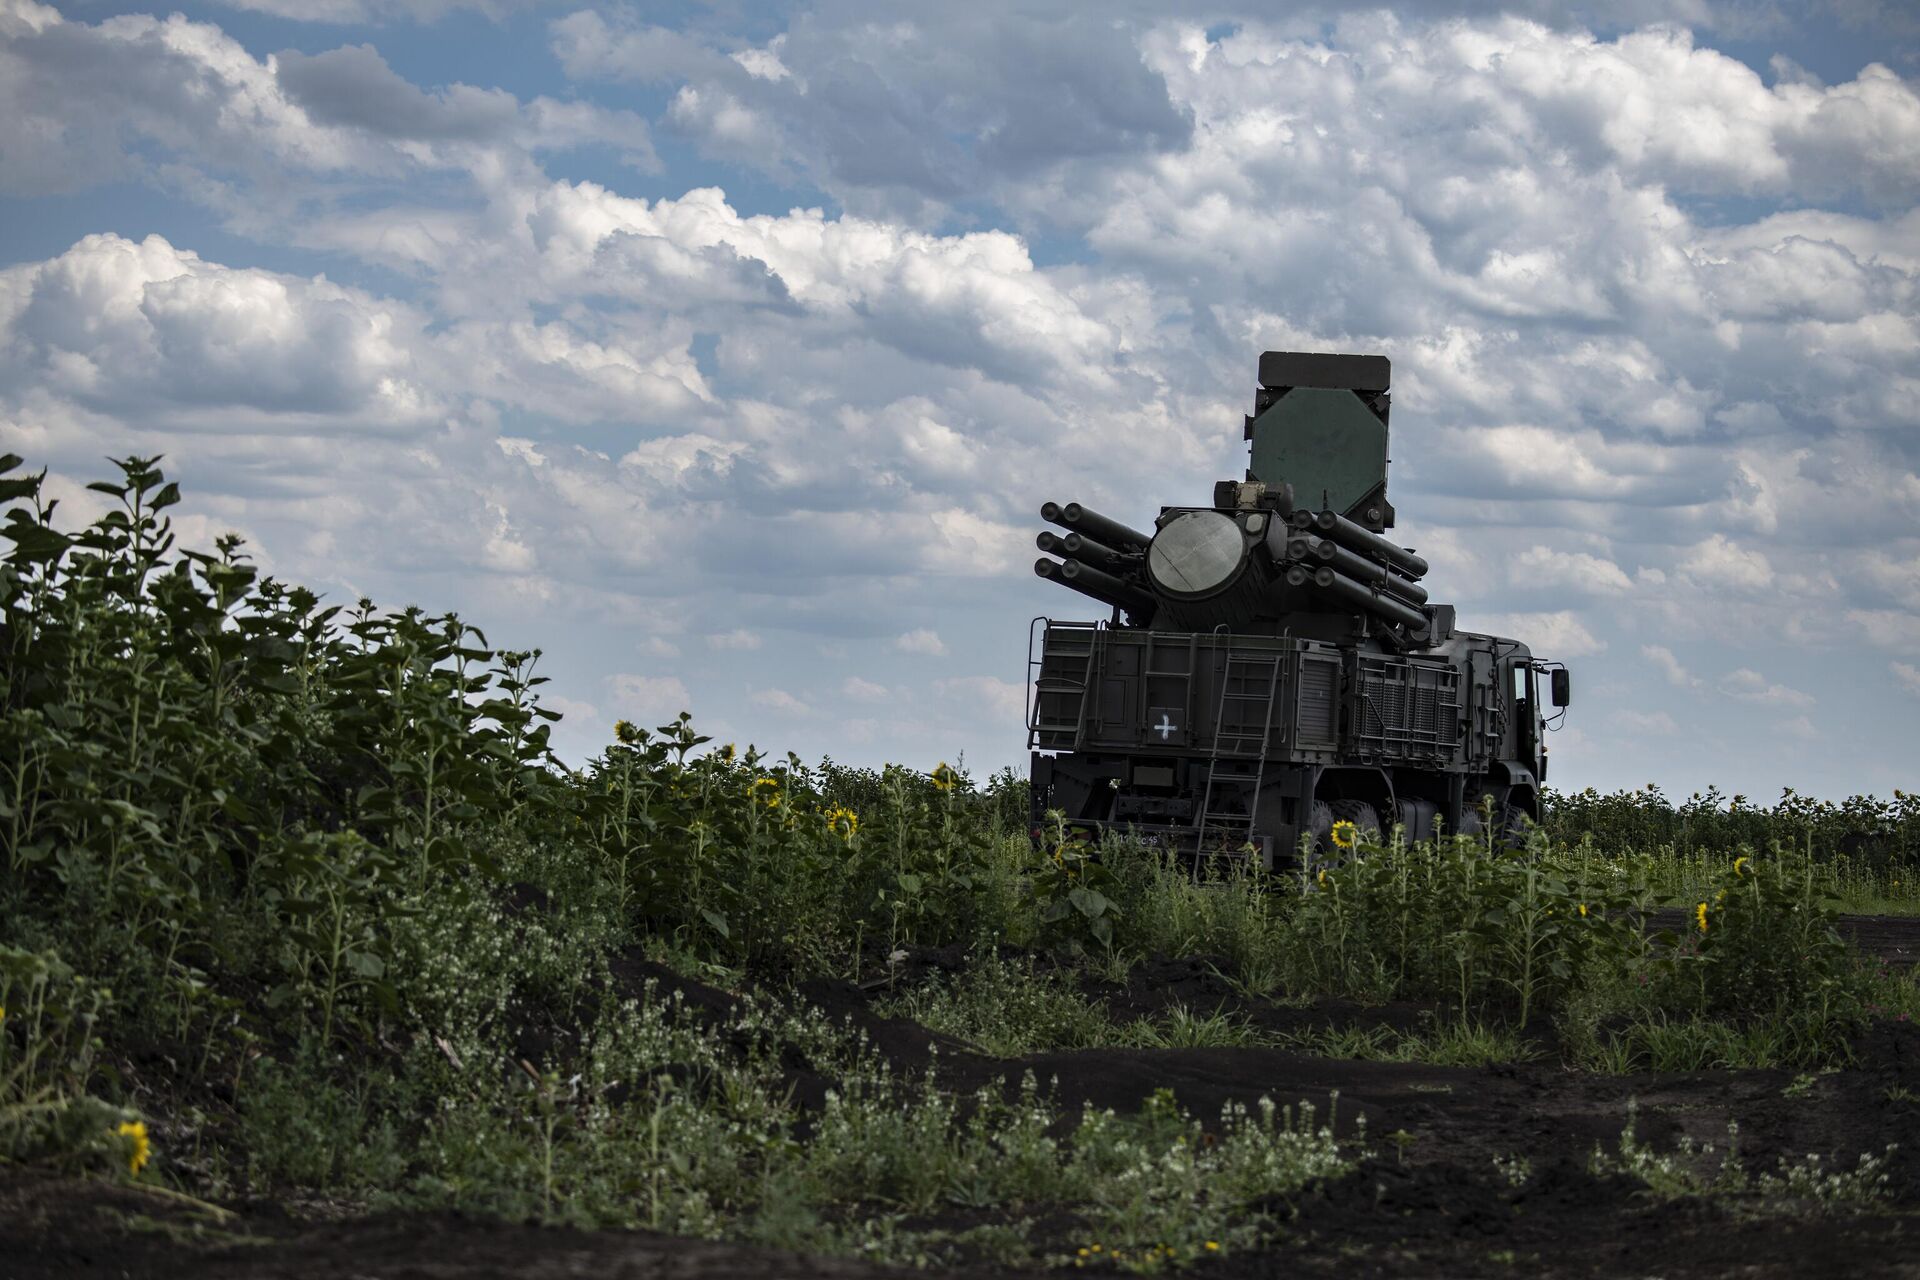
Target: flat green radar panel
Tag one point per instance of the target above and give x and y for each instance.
(1321, 441)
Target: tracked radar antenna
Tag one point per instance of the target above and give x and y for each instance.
(1319, 423)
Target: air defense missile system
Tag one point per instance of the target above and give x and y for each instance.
(1272, 664)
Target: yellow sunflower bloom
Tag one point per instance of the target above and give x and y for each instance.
(944, 776)
(140, 1149)
(1345, 834)
(625, 732)
(1740, 866)
(1700, 914)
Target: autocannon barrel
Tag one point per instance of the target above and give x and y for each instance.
(1325, 551)
(1089, 581)
(1343, 588)
(1365, 541)
(1092, 524)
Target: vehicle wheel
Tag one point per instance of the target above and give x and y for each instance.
(1473, 815)
(1515, 825)
(1366, 825)
(1319, 824)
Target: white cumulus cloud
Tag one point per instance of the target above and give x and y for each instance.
(1558, 634)
(652, 699)
(1749, 685)
(922, 641)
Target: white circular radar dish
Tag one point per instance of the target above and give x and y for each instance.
(1196, 553)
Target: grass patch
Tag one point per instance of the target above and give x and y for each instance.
(1008, 1008)
(1441, 1044)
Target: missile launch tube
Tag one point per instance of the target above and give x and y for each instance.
(1081, 520)
(1083, 577)
(1343, 588)
(1336, 557)
(1078, 546)
(1103, 587)
(1367, 542)
(1073, 546)
(1305, 549)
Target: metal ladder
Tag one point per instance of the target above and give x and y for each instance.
(1070, 645)
(1245, 680)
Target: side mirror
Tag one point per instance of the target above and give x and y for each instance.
(1562, 687)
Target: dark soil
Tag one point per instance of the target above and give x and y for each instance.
(1431, 1202)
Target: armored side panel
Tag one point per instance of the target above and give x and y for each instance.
(1406, 710)
(1135, 691)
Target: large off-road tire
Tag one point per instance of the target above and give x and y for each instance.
(1365, 819)
(1512, 823)
(1364, 816)
(1319, 823)
(1515, 824)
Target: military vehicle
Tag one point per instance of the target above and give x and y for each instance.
(1272, 664)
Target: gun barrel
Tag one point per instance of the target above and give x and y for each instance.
(1343, 588)
(1084, 520)
(1367, 542)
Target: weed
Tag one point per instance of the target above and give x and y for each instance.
(1514, 1169)
(1691, 1170)
(48, 1019)
(1444, 1044)
(1181, 1028)
(1007, 1008)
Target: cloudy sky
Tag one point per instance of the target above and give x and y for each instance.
(726, 350)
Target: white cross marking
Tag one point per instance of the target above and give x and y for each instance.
(1166, 726)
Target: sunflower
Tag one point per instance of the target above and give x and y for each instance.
(1740, 866)
(140, 1149)
(843, 821)
(1345, 834)
(625, 732)
(1700, 914)
(944, 776)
